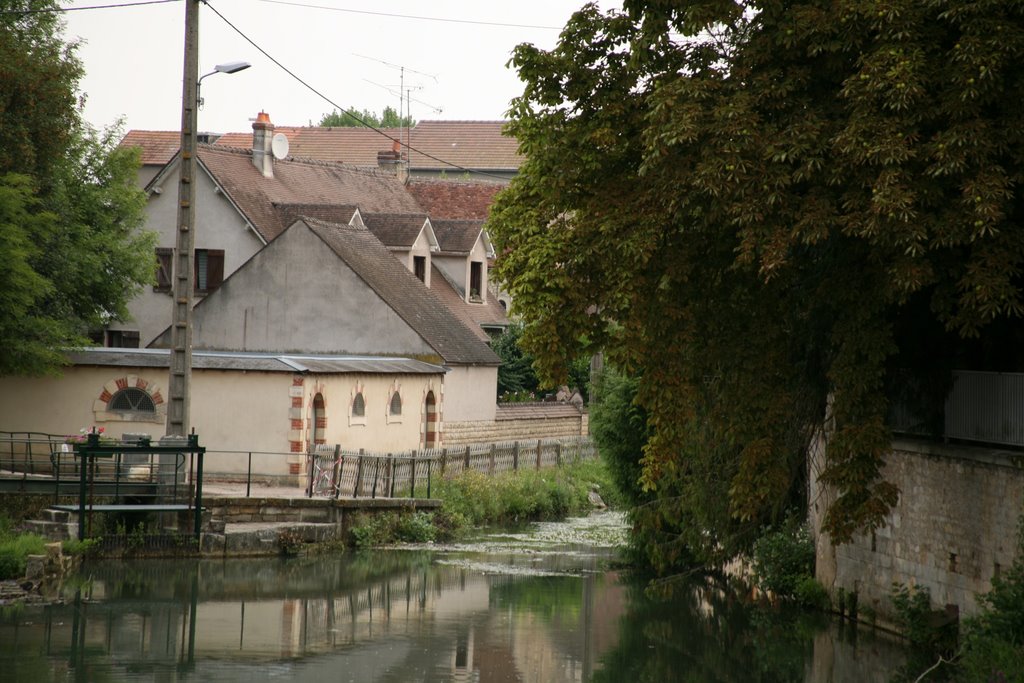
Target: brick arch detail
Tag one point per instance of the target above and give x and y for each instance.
(102, 401)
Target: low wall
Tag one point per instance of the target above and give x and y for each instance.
(953, 529)
(520, 422)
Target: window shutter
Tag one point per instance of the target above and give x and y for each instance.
(214, 269)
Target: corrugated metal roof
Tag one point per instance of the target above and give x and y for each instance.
(264, 362)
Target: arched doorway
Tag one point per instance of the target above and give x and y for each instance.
(430, 424)
(319, 420)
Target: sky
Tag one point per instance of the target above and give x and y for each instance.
(351, 51)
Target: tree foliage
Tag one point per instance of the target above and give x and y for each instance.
(516, 376)
(743, 201)
(70, 213)
(353, 118)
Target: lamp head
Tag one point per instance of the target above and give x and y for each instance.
(232, 67)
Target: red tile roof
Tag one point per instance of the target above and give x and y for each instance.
(454, 199)
(158, 146)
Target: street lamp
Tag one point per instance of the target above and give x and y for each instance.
(226, 68)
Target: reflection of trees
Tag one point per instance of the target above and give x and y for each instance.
(704, 632)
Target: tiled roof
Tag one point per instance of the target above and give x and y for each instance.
(457, 237)
(329, 213)
(158, 146)
(404, 293)
(300, 182)
(454, 199)
(355, 146)
(469, 144)
(394, 229)
(474, 316)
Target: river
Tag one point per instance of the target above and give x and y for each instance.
(545, 605)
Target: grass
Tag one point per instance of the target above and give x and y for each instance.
(473, 499)
(15, 549)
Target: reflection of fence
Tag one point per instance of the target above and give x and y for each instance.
(335, 472)
(987, 407)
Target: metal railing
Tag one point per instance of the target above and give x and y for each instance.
(985, 407)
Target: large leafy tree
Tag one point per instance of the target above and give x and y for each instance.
(70, 213)
(748, 202)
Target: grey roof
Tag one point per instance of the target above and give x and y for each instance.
(394, 229)
(457, 236)
(420, 308)
(265, 362)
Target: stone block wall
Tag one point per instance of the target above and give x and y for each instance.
(953, 530)
(463, 433)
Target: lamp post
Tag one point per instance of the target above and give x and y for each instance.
(179, 386)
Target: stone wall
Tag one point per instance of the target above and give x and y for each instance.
(953, 530)
(523, 422)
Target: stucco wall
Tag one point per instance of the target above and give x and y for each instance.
(270, 414)
(470, 394)
(277, 304)
(954, 528)
(219, 228)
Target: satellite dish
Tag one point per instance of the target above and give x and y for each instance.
(279, 146)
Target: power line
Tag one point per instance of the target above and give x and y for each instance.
(61, 10)
(412, 16)
(338, 107)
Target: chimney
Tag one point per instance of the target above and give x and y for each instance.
(393, 161)
(262, 136)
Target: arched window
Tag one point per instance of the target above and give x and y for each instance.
(131, 400)
(396, 404)
(359, 406)
(319, 419)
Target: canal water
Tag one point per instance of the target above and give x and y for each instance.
(545, 606)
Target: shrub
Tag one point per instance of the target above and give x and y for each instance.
(913, 607)
(14, 550)
(417, 527)
(783, 559)
(810, 593)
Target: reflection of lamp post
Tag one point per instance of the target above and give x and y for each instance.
(178, 399)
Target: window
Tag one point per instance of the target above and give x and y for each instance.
(209, 269)
(359, 406)
(164, 268)
(476, 272)
(396, 404)
(131, 400)
(123, 339)
(419, 264)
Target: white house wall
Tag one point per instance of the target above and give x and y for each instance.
(220, 227)
(457, 269)
(277, 304)
(470, 393)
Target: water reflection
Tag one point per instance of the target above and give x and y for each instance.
(417, 616)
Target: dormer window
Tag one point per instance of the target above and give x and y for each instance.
(209, 269)
(476, 279)
(419, 264)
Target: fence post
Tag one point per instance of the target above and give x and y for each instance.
(376, 475)
(391, 476)
(444, 463)
(490, 461)
(515, 457)
(248, 476)
(540, 445)
(429, 463)
(311, 462)
(466, 467)
(335, 471)
(412, 475)
(359, 475)
(558, 453)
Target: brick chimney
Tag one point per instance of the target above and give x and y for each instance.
(262, 136)
(394, 161)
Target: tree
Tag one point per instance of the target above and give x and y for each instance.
(70, 214)
(353, 118)
(742, 202)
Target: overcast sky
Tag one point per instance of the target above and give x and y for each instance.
(349, 50)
